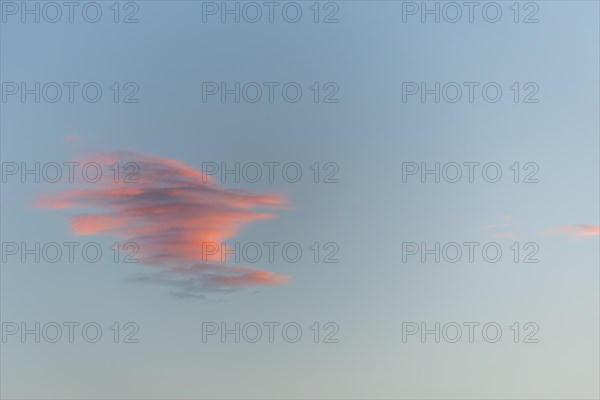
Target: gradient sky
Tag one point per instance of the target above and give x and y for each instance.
(369, 213)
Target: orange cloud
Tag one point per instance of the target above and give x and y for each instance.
(169, 213)
(577, 231)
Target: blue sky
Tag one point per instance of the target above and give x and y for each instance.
(369, 213)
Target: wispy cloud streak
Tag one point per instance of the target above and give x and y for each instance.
(576, 231)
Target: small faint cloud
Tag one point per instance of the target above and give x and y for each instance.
(575, 231)
(509, 228)
(72, 139)
(505, 228)
(506, 235)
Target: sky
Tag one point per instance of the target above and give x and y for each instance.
(311, 202)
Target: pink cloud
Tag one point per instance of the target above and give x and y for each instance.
(169, 213)
(576, 231)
